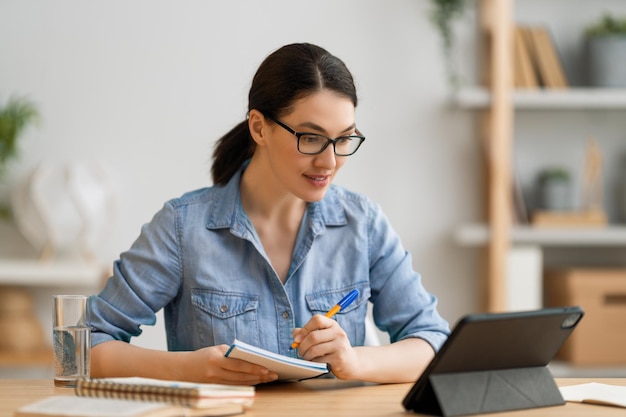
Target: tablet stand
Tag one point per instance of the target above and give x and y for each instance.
(463, 393)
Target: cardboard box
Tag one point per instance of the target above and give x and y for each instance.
(600, 338)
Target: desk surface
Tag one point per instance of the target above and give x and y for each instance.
(319, 398)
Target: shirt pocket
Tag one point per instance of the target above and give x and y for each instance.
(352, 318)
(223, 317)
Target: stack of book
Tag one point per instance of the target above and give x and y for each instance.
(536, 59)
(144, 397)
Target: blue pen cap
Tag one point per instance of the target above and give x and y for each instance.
(349, 298)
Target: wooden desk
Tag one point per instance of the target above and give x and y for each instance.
(319, 398)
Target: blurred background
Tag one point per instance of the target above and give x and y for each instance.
(142, 89)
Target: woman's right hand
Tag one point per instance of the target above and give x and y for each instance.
(222, 370)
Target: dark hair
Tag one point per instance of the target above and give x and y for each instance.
(288, 74)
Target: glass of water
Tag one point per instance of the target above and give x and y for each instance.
(71, 339)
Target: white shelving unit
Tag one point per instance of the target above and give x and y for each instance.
(479, 98)
(514, 253)
(525, 255)
(57, 273)
(478, 235)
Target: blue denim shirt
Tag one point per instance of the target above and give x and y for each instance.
(201, 260)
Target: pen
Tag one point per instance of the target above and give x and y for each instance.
(343, 303)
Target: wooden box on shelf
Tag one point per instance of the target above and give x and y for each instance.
(590, 218)
(600, 338)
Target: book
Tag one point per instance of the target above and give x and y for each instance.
(188, 394)
(72, 406)
(287, 368)
(546, 58)
(595, 393)
(524, 70)
(520, 209)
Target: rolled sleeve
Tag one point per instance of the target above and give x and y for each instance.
(401, 305)
(144, 280)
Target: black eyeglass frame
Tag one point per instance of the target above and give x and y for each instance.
(298, 135)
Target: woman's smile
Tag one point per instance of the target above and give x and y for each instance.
(318, 180)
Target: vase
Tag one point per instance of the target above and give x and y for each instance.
(556, 195)
(65, 209)
(607, 60)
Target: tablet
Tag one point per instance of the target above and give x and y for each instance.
(495, 341)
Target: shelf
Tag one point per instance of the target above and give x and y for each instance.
(478, 235)
(571, 98)
(33, 272)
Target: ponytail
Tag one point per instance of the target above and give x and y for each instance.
(230, 152)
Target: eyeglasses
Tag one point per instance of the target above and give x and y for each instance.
(314, 144)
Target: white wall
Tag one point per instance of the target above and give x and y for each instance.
(147, 86)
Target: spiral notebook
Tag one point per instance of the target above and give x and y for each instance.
(69, 406)
(188, 394)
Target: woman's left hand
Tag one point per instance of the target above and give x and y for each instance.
(323, 340)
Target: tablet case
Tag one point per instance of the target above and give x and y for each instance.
(495, 362)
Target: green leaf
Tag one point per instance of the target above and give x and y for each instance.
(442, 16)
(607, 25)
(15, 116)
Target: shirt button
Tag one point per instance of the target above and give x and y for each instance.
(224, 308)
(285, 314)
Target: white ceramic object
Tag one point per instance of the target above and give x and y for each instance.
(65, 210)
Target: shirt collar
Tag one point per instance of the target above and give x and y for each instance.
(226, 211)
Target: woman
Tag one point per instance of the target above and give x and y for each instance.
(266, 251)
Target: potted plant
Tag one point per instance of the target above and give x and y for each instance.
(15, 116)
(555, 189)
(442, 15)
(606, 46)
